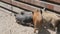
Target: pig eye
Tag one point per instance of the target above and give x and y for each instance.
(22, 13)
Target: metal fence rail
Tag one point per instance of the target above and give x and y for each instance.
(43, 4)
(33, 4)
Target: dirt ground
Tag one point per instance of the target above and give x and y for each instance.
(8, 25)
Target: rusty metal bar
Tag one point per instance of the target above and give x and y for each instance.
(57, 1)
(43, 4)
(22, 5)
(35, 2)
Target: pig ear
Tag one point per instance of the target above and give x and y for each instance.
(44, 9)
(41, 11)
(32, 12)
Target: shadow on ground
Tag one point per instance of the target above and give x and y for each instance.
(43, 29)
(58, 29)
